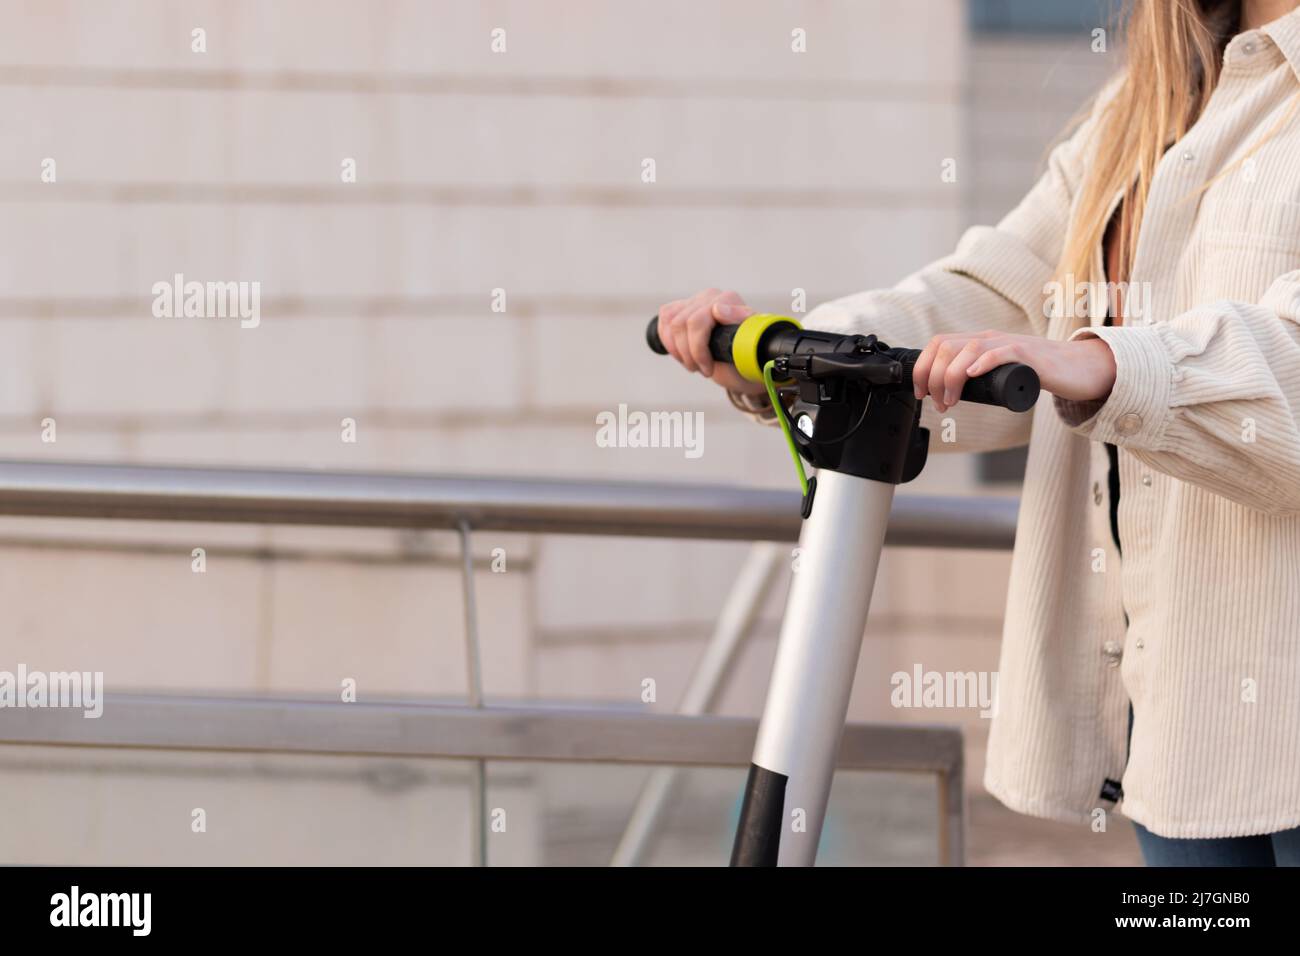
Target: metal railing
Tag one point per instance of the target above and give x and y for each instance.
(386, 500)
(477, 731)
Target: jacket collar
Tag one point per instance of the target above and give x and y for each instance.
(1285, 32)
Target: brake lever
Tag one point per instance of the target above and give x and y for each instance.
(873, 368)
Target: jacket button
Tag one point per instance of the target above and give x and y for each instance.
(1112, 651)
(1128, 424)
(1146, 480)
(1096, 492)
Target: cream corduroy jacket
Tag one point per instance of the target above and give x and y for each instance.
(1205, 412)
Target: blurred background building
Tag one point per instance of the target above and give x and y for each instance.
(481, 177)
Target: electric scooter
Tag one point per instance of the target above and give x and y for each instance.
(857, 420)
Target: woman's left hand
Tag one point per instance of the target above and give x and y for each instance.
(1080, 370)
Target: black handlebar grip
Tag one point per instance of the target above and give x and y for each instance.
(652, 337)
(1013, 386)
(719, 340)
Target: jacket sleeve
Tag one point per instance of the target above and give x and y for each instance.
(996, 279)
(1209, 397)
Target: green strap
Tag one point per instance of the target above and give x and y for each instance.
(784, 422)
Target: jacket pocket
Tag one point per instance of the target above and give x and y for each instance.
(1265, 224)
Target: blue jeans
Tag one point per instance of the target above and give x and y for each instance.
(1266, 849)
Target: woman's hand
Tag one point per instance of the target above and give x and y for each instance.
(1081, 370)
(685, 326)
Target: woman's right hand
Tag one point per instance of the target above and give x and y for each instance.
(684, 329)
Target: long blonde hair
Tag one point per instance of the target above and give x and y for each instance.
(1174, 52)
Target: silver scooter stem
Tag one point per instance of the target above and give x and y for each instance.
(812, 676)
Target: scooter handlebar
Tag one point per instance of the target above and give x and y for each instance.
(1013, 386)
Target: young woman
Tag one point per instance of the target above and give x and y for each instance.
(1151, 651)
